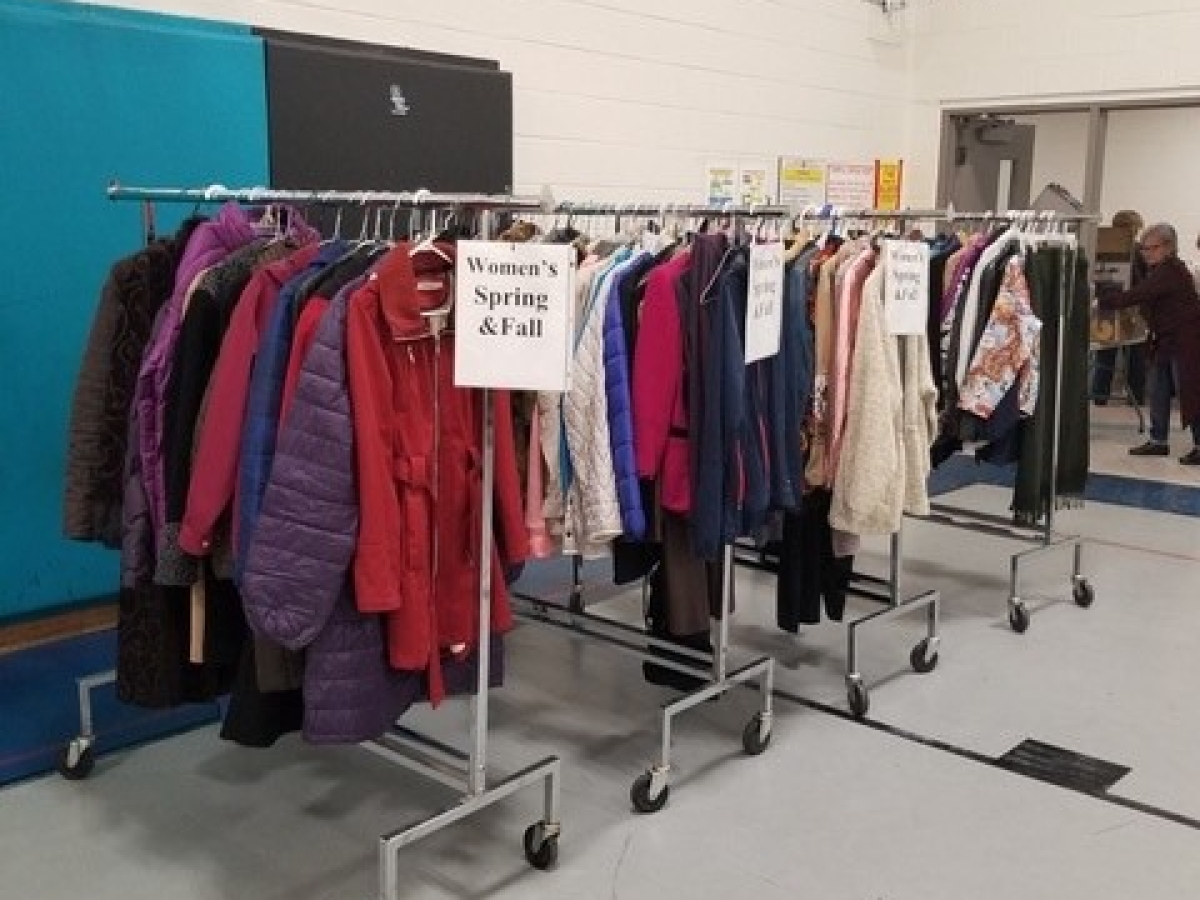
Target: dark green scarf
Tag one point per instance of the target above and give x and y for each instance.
(1045, 269)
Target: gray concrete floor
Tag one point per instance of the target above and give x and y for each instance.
(912, 809)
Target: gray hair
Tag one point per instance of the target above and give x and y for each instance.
(1165, 233)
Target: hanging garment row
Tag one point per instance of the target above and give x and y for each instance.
(867, 427)
(266, 425)
(670, 445)
(998, 300)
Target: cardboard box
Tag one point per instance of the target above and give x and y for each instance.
(1115, 249)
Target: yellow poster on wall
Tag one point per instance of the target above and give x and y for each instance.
(889, 179)
(801, 181)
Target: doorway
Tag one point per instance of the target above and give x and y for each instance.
(990, 163)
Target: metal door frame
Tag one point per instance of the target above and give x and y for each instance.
(1097, 109)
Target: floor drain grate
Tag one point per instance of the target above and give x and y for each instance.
(1062, 767)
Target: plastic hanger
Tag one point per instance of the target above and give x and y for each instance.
(428, 244)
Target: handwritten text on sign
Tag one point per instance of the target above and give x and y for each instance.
(906, 286)
(764, 301)
(513, 315)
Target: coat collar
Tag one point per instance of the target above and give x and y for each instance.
(412, 284)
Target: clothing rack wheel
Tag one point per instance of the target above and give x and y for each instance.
(541, 846)
(857, 695)
(77, 759)
(757, 735)
(650, 791)
(1018, 615)
(1083, 592)
(924, 656)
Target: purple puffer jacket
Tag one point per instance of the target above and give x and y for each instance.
(208, 245)
(296, 587)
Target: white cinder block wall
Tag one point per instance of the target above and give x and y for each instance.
(993, 52)
(629, 99)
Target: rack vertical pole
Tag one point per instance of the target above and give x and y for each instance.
(477, 778)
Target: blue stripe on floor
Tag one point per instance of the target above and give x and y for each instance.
(39, 710)
(1157, 496)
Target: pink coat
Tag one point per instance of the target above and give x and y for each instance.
(660, 420)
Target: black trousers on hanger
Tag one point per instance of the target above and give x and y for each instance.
(809, 573)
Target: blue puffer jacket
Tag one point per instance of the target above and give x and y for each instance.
(618, 389)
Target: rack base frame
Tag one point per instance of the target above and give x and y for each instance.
(1082, 591)
(452, 767)
(405, 748)
(650, 791)
(924, 655)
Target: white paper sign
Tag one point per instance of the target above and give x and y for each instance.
(851, 185)
(906, 286)
(801, 182)
(764, 301)
(721, 183)
(513, 315)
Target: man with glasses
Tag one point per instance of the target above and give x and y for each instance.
(1168, 302)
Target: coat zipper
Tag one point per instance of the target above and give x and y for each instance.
(437, 460)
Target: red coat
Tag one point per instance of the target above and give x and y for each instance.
(418, 451)
(660, 412)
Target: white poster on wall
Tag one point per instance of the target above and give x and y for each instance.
(764, 301)
(755, 185)
(514, 315)
(851, 185)
(721, 183)
(906, 286)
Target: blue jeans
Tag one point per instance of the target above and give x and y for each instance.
(1164, 374)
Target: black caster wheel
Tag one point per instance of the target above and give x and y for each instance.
(921, 659)
(754, 741)
(540, 849)
(640, 795)
(76, 761)
(860, 700)
(1085, 594)
(1018, 617)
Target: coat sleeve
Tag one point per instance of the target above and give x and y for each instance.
(1158, 284)
(210, 491)
(657, 369)
(88, 438)
(306, 333)
(377, 578)
(301, 550)
(512, 536)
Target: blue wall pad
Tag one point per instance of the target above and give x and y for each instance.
(91, 94)
(1157, 496)
(39, 706)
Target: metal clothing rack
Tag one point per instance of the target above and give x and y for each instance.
(466, 772)
(650, 790)
(1044, 536)
(924, 655)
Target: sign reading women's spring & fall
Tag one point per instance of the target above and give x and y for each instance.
(514, 315)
